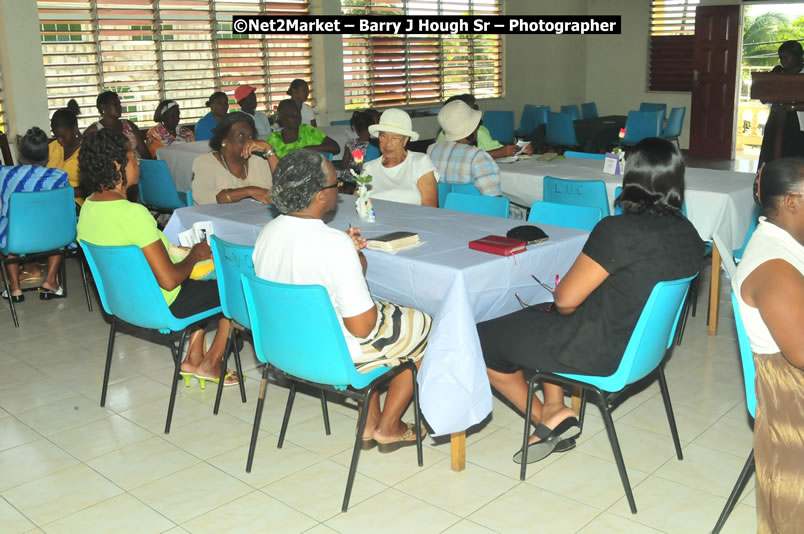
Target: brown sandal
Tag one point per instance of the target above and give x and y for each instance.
(407, 438)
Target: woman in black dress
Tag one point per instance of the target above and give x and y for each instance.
(785, 117)
(599, 301)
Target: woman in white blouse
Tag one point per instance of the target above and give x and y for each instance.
(400, 175)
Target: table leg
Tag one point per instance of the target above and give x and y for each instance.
(714, 291)
(458, 451)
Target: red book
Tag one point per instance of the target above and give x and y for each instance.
(497, 244)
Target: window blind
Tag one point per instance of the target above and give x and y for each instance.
(672, 34)
(150, 50)
(395, 70)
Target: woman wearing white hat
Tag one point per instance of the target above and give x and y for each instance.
(400, 175)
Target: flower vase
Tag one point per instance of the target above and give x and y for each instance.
(363, 205)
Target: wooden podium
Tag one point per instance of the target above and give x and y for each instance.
(777, 88)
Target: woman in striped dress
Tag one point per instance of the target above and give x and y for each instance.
(298, 248)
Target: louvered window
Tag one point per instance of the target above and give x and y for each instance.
(672, 34)
(394, 70)
(150, 50)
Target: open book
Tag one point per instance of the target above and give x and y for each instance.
(200, 231)
(393, 241)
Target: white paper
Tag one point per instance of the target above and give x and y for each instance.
(200, 231)
(610, 166)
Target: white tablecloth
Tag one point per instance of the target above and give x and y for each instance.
(179, 159)
(442, 276)
(717, 201)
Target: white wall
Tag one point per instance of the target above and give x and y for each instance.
(25, 95)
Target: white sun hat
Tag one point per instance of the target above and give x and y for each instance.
(396, 121)
(458, 120)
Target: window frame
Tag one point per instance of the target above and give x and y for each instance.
(671, 45)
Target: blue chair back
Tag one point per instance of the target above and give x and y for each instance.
(651, 106)
(577, 193)
(342, 121)
(188, 196)
(482, 205)
(572, 111)
(445, 188)
(39, 221)
(372, 153)
(134, 298)
(561, 130)
(589, 110)
(532, 117)
(674, 123)
(296, 330)
(567, 215)
(500, 125)
(652, 336)
(156, 186)
(738, 254)
(747, 357)
(641, 124)
(231, 261)
(583, 155)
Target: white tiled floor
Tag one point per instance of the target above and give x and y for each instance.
(67, 465)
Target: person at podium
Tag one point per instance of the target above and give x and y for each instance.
(787, 117)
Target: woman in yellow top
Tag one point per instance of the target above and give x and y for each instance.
(63, 152)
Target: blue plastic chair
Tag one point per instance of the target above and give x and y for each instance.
(482, 205)
(137, 300)
(583, 155)
(40, 223)
(572, 111)
(561, 130)
(445, 188)
(189, 197)
(231, 261)
(640, 125)
(157, 190)
(296, 331)
(532, 117)
(372, 153)
(738, 254)
(650, 340)
(500, 125)
(576, 192)
(342, 121)
(749, 372)
(567, 215)
(651, 106)
(675, 122)
(589, 110)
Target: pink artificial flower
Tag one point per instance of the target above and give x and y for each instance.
(358, 155)
(622, 133)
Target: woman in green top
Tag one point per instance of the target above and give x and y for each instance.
(295, 135)
(108, 167)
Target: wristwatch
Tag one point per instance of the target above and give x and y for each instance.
(270, 153)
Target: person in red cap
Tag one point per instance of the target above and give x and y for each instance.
(247, 99)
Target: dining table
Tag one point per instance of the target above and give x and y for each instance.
(718, 202)
(594, 135)
(179, 158)
(442, 276)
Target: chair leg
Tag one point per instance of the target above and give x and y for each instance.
(63, 272)
(694, 293)
(239, 368)
(361, 426)
(176, 352)
(668, 407)
(224, 361)
(745, 474)
(685, 309)
(286, 418)
(582, 413)
(109, 352)
(80, 259)
(526, 433)
(417, 416)
(325, 412)
(255, 430)
(8, 292)
(615, 447)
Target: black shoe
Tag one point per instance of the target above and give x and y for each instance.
(16, 299)
(555, 440)
(48, 294)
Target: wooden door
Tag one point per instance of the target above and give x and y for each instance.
(717, 35)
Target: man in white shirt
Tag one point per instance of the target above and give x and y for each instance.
(247, 99)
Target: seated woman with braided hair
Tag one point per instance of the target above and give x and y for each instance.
(108, 166)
